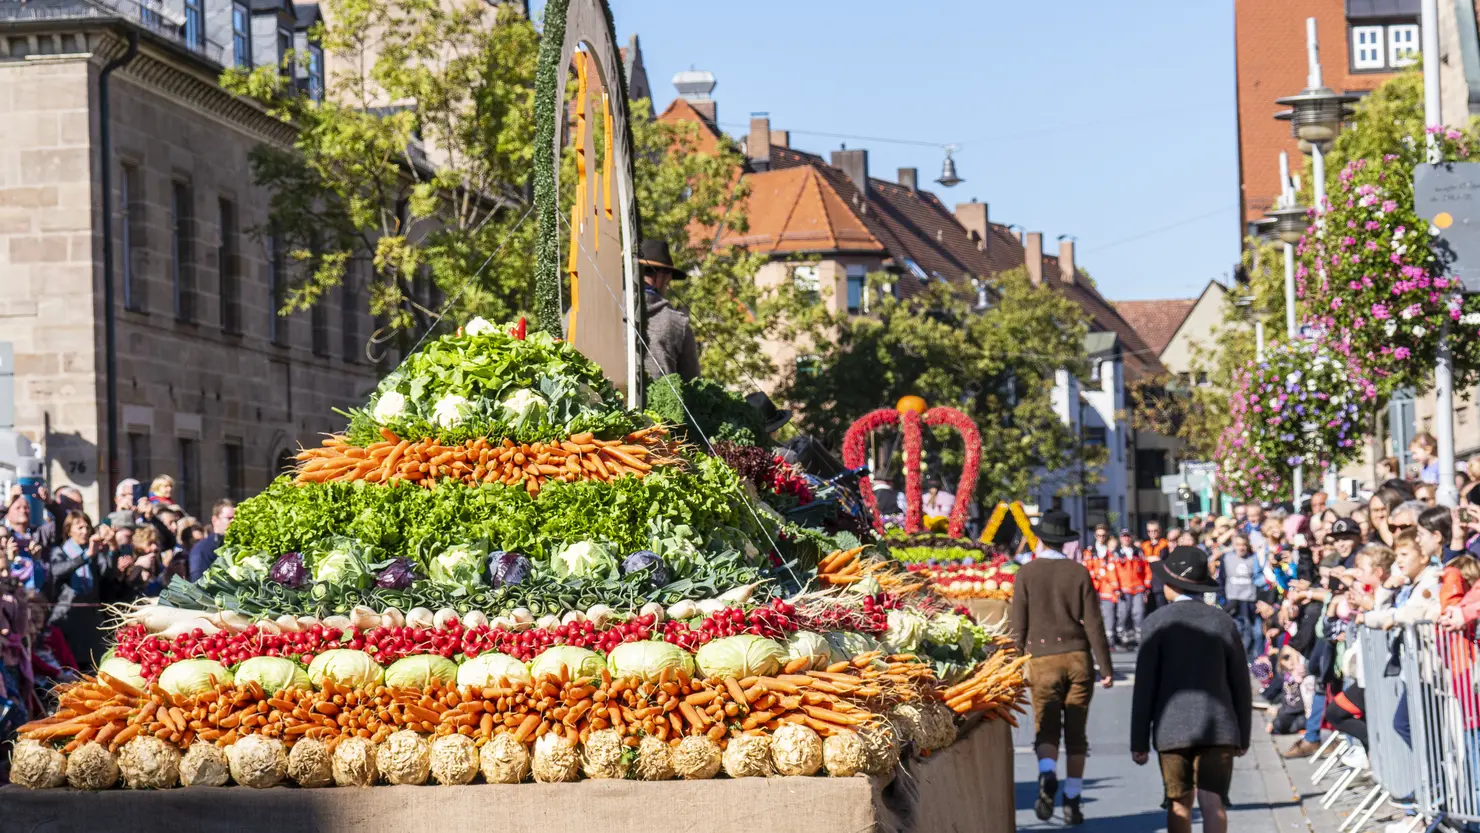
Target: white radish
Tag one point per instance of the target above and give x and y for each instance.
(683, 610)
(184, 626)
(268, 626)
(419, 617)
(740, 595)
(232, 622)
(709, 607)
(157, 617)
(392, 618)
(364, 618)
(475, 619)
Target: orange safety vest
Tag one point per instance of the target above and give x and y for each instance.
(1104, 576)
(1132, 573)
(1153, 550)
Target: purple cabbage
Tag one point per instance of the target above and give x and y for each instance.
(397, 575)
(507, 568)
(289, 570)
(647, 560)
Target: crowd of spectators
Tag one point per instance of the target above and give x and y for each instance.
(59, 572)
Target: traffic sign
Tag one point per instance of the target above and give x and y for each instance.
(1447, 196)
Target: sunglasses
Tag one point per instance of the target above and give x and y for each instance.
(1400, 527)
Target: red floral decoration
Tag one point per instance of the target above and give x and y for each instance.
(855, 454)
(966, 489)
(914, 519)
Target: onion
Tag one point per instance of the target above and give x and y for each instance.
(444, 617)
(683, 610)
(288, 624)
(654, 610)
(598, 615)
(268, 626)
(340, 622)
(306, 623)
(740, 595)
(419, 617)
(572, 616)
(548, 622)
(475, 619)
(709, 607)
(231, 621)
(522, 615)
(392, 618)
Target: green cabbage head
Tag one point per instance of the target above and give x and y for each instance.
(579, 661)
(486, 669)
(812, 646)
(121, 669)
(459, 566)
(272, 673)
(905, 631)
(346, 666)
(420, 671)
(584, 559)
(648, 660)
(952, 630)
(740, 656)
(193, 676)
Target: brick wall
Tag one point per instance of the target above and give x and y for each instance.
(1271, 63)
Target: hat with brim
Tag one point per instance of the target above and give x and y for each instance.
(1185, 569)
(1054, 528)
(771, 415)
(654, 254)
(1344, 528)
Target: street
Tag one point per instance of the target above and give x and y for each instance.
(1120, 797)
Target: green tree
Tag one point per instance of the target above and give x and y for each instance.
(414, 160)
(997, 365)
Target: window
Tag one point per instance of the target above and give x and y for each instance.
(138, 456)
(1367, 47)
(1151, 464)
(181, 264)
(227, 264)
(1094, 435)
(241, 34)
(131, 202)
(187, 489)
(285, 45)
(915, 269)
(804, 278)
(195, 30)
(1098, 504)
(277, 290)
(857, 288)
(1402, 45)
(319, 325)
(235, 472)
(349, 313)
(316, 72)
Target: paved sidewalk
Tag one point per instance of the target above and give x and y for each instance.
(1120, 797)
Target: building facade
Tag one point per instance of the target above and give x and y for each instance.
(213, 387)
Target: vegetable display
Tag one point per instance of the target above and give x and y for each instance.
(497, 571)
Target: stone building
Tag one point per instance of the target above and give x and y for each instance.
(212, 387)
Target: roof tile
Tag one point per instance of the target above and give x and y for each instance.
(1156, 321)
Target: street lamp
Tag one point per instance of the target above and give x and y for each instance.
(1289, 222)
(1316, 113)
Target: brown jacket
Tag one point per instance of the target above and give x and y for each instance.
(1055, 611)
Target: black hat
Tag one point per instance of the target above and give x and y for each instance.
(653, 254)
(1054, 528)
(1186, 569)
(771, 415)
(1345, 528)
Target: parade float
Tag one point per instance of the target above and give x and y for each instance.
(507, 591)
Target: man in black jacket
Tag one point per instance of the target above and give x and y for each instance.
(1192, 693)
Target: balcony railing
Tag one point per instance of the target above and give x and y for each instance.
(148, 14)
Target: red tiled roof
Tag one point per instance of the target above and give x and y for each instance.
(799, 210)
(1156, 321)
(682, 110)
(1140, 360)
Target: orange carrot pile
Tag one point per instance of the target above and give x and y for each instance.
(841, 567)
(426, 461)
(996, 688)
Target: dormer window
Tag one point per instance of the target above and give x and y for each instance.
(1383, 47)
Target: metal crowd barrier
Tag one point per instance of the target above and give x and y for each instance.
(1444, 713)
(1394, 764)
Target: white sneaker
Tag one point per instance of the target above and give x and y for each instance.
(1355, 757)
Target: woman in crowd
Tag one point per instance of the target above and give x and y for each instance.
(79, 566)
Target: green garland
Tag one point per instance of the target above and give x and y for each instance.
(547, 97)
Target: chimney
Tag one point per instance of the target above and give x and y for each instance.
(909, 178)
(780, 138)
(973, 217)
(695, 86)
(1067, 271)
(854, 163)
(758, 145)
(1033, 256)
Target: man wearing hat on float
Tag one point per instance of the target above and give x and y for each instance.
(1191, 696)
(1056, 619)
(670, 340)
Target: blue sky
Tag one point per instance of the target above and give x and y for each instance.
(1113, 122)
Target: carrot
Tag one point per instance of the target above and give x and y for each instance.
(737, 694)
(797, 664)
(124, 736)
(119, 685)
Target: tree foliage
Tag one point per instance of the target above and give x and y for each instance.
(997, 365)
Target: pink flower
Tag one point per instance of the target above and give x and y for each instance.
(1389, 206)
(1380, 312)
(1401, 353)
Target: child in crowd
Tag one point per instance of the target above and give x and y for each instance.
(1294, 694)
